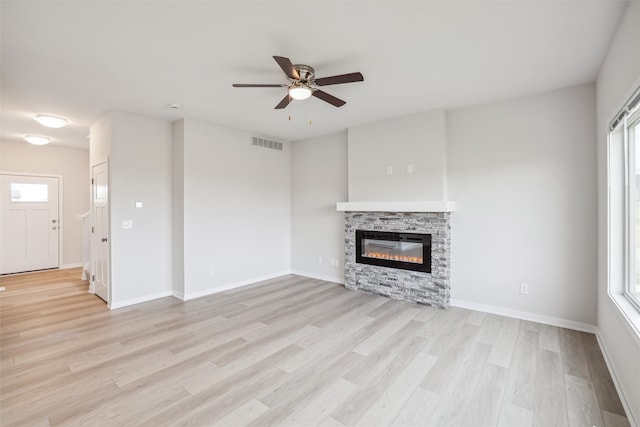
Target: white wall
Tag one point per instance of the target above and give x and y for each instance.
(236, 209)
(619, 74)
(523, 177)
(139, 151)
(418, 140)
(73, 165)
(318, 181)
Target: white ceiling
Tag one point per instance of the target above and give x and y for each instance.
(83, 59)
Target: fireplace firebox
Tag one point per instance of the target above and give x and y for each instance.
(407, 251)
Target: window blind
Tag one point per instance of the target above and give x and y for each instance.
(628, 108)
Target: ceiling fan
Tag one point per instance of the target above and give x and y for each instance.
(303, 83)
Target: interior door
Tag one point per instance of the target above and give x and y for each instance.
(29, 222)
(100, 237)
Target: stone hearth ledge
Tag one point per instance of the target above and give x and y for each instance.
(440, 206)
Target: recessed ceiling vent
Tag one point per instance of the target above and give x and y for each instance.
(266, 143)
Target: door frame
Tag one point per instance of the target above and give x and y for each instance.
(98, 162)
(60, 207)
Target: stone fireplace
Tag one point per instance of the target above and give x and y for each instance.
(397, 183)
(429, 286)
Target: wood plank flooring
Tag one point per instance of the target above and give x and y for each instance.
(291, 351)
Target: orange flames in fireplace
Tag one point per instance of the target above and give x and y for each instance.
(401, 258)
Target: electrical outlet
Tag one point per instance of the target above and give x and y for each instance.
(524, 289)
(389, 170)
(212, 270)
(336, 262)
(319, 259)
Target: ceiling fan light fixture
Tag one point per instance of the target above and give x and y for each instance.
(37, 140)
(300, 92)
(51, 121)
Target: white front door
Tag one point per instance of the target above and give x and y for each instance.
(100, 236)
(29, 223)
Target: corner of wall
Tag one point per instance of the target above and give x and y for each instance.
(445, 156)
(177, 207)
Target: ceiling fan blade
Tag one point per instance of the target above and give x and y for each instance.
(287, 67)
(328, 98)
(256, 85)
(285, 101)
(342, 78)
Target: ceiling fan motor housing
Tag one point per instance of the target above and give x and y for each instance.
(305, 72)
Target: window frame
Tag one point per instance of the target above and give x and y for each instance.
(629, 124)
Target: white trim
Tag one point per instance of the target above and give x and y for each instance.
(628, 312)
(189, 296)
(60, 220)
(524, 315)
(132, 301)
(92, 239)
(332, 279)
(433, 206)
(633, 421)
(617, 285)
(222, 288)
(72, 265)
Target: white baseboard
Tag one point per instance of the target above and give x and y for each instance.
(633, 420)
(523, 315)
(72, 265)
(146, 298)
(339, 280)
(191, 295)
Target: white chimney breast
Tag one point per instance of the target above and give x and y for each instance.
(418, 140)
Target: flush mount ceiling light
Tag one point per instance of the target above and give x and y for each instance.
(37, 140)
(51, 121)
(300, 92)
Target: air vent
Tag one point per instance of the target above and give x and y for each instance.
(266, 143)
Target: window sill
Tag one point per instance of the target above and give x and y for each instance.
(630, 314)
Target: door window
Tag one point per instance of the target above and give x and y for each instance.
(25, 193)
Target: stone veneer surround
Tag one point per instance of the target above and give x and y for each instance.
(431, 289)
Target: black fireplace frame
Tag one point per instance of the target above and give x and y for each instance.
(393, 236)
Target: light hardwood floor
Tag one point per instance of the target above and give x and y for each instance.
(289, 351)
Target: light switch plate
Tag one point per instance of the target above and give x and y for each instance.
(127, 224)
(138, 205)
